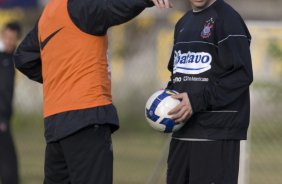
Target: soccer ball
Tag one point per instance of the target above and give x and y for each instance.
(157, 108)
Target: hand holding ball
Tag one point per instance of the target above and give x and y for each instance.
(157, 108)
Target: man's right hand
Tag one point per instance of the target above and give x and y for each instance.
(182, 112)
(162, 3)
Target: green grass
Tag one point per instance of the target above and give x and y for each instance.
(137, 150)
(266, 153)
(28, 133)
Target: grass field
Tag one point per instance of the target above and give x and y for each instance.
(137, 149)
(266, 153)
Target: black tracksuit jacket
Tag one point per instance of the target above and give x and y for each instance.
(7, 75)
(211, 61)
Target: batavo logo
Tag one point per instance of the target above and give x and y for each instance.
(191, 62)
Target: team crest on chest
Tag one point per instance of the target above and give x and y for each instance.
(206, 32)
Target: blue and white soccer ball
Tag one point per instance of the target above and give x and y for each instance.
(157, 108)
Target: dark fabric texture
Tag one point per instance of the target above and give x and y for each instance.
(8, 157)
(27, 56)
(85, 157)
(203, 162)
(7, 76)
(66, 123)
(96, 17)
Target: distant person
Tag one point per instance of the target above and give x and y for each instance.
(8, 160)
(211, 68)
(67, 52)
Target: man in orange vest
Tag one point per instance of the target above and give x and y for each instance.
(67, 52)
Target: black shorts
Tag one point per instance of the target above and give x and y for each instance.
(85, 157)
(203, 162)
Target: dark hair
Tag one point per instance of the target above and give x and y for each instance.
(14, 26)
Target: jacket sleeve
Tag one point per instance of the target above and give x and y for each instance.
(171, 60)
(27, 56)
(7, 76)
(96, 16)
(121, 11)
(235, 60)
(170, 68)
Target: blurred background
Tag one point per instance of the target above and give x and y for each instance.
(139, 52)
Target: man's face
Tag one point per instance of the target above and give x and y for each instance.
(10, 40)
(200, 4)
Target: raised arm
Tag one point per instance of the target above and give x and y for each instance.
(97, 16)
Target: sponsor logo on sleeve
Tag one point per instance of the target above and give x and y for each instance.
(191, 62)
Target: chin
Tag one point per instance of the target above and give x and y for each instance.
(199, 4)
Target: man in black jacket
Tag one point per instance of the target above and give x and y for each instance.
(212, 70)
(8, 160)
(66, 51)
